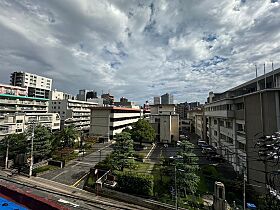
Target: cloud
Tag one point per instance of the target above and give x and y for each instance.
(140, 49)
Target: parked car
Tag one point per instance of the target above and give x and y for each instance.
(207, 150)
(201, 143)
(216, 158)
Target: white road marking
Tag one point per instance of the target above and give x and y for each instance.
(63, 172)
(68, 202)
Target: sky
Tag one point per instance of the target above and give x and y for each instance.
(140, 48)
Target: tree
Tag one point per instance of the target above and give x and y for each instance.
(187, 178)
(41, 142)
(142, 131)
(122, 150)
(68, 136)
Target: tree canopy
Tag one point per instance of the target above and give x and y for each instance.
(122, 150)
(142, 131)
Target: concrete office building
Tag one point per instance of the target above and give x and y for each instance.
(157, 100)
(167, 99)
(108, 121)
(37, 86)
(182, 109)
(165, 122)
(73, 112)
(237, 117)
(84, 95)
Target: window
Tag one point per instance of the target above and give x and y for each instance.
(239, 106)
(18, 130)
(19, 121)
(221, 123)
(241, 146)
(215, 122)
(222, 136)
(230, 140)
(215, 133)
(239, 127)
(229, 124)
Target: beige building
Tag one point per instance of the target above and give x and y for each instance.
(237, 117)
(109, 121)
(165, 122)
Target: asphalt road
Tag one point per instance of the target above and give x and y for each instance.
(74, 172)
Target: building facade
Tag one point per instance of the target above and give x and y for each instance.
(237, 117)
(165, 122)
(167, 98)
(73, 112)
(109, 121)
(157, 100)
(108, 99)
(59, 95)
(84, 95)
(37, 86)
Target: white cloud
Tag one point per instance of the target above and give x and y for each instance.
(139, 49)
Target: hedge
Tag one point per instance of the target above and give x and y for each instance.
(139, 184)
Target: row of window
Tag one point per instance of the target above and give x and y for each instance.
(238, 106)
(120, 126)
(123, 118)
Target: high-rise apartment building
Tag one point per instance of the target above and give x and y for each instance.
(167, 98)
(108, 99)
(37, 86)
(237, 117)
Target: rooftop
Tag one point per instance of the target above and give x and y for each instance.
(113, 108)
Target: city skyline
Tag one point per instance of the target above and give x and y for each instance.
(140, 49)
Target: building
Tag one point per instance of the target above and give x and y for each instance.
(108, 99)
(73, 112)
(15, 100)
(109, 121)
(193, 105)
(59, 95)
(157, 100)
(237, 117)
(84, 95)
(125, 103)
(20, 122)
(167, 99)
(182, 110)
(37, 86)
(165, 122)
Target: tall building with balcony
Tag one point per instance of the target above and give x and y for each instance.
(37, 86)
(106, 122)
(73, 112)
(237, 117)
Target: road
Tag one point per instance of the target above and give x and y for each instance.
(74, 172)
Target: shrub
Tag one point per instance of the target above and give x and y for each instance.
(139, 184)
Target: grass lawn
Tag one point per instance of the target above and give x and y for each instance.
(44, 168)
(139, 167)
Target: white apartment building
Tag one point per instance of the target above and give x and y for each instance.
(109, 121)
(73, 112)
(59, 95)
(14, 100)
(37, 86)
(18, 123)
(165, 122)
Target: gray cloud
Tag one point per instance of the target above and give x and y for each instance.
(139, 48)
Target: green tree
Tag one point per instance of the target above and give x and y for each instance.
(187, 168)
(122, 151)
(17, 144)
(68, 136)
(142, 131)
(41, 142)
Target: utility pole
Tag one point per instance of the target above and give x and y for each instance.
(244, 189)
(7, 152)
(176, 201)
(31, 152)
